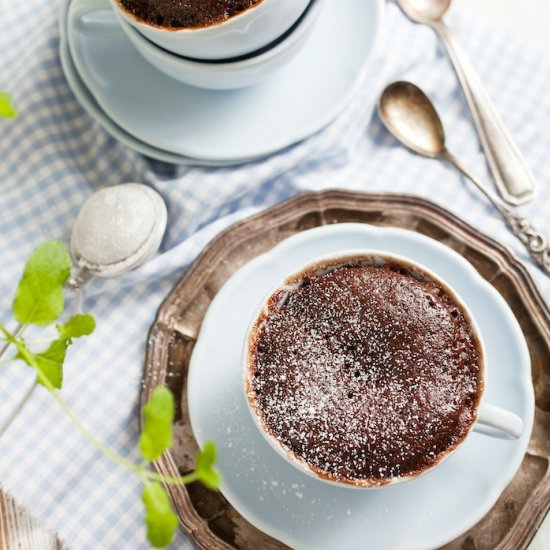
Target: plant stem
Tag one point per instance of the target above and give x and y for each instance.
(141, 470)
(10, 337)
(16, 410)
(172, 480)
(36, 342)
(100, 446)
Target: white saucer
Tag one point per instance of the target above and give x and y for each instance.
(306, 513)
(94, 110)
(232, 125)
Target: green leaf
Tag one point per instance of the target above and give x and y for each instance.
(157, 425)
(39, 296)
(48, 363)
(77, 326)
(7, 110)
(204, 466)
(160, 519)
(206, 458)
(211, 479)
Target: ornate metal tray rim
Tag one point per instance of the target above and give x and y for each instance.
(319, 205)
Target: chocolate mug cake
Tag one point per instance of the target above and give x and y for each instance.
(366, 371)
(186, 14)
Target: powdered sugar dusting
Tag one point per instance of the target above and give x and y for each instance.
(365, 373)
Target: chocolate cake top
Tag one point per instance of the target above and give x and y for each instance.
(365, 373)
(179, 14)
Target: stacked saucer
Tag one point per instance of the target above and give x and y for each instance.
(149, 98)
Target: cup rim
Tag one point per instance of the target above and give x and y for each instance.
(301, 27)
(204, 30)
(331, 261)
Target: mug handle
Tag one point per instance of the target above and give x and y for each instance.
(92, 27)
(500, 419)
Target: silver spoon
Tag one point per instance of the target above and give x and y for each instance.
(512, 176)
(117, 229)
(410, 116)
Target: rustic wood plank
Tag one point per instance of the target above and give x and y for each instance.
(20, 531)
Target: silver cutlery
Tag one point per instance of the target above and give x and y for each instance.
(411, 117)
(512, 176)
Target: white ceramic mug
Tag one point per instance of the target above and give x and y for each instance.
(239, 35)
(497, 419)
(228, 75)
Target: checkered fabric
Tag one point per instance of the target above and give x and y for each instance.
(54, 155)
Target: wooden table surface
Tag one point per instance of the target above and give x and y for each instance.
(529, 19)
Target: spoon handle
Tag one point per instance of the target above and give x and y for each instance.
(534, 241)
(512, 176)
(76, 282)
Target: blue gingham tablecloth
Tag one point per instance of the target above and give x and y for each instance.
(54, 155)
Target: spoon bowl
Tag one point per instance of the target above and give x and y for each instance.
(410, 116)
(425, 11)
